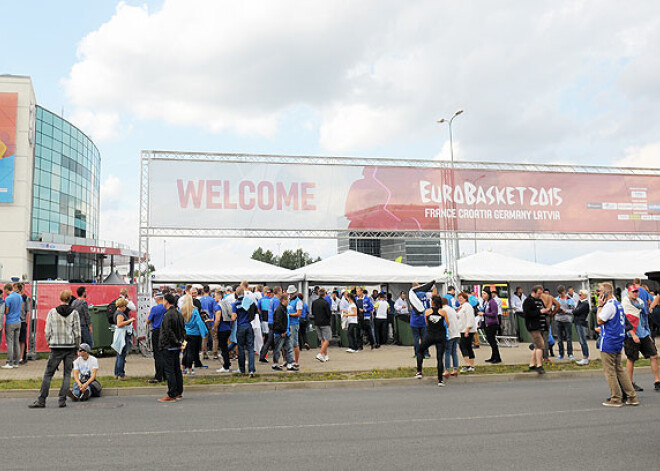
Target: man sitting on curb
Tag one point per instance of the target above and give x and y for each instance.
(85, 368)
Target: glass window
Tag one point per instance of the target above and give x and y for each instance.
(48, 118)
(57, 122)
(40, 112)
(38, 138)
(48, 141)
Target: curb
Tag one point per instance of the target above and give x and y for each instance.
(332, 384)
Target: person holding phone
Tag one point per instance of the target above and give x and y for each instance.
(122, 337)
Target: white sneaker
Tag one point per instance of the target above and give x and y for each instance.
(14, 366)
(582, 362)
(237, 370)
(320, 358)
(326, 358)
(350, 350)
(418, 376)
(7, 366)
(222, 370)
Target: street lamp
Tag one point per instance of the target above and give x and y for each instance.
(451, 140)
(452, 240)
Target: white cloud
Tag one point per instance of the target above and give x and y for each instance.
(643, 156)
(563, 80)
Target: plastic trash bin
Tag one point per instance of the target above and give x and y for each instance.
(403, 330)
(102, 333)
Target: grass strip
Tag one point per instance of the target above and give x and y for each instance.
(111, 382)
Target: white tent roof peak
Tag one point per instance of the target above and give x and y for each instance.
(356, 267)
(218, 265)
(614, 265)
(487, 266)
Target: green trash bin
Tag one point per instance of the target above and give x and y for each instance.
(312, 337)
(403, 329)
(102, 333)
(343, 333)
(523, 333)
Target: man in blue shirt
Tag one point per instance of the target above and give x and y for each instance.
(210, 342)
(365, 309)
(273, 301)
(222, 326)
(155, 318)
(451, 297)
(13, 306)
(612, 327)
(294, 310)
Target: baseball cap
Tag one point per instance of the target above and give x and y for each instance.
(633, 289)
(86, 347)
(269, 290)
(158, 295)
(291, 289)
(585, 292)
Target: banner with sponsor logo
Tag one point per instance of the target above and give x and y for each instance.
(283, 196)
(8, 112)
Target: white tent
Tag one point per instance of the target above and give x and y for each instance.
(356, 267)
(217, 266)
(614, 265)
(491, 266)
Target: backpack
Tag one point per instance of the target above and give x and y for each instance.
(112, 310)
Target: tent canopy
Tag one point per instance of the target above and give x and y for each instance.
(216, 265)
(491, 266)
(356, 267)
(614, 265)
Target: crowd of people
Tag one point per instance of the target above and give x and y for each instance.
(270, 325)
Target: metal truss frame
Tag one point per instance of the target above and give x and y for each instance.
(146, 231)
(388, 162)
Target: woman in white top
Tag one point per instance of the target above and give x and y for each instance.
(351, 313)
(454, 334)
(467, 329)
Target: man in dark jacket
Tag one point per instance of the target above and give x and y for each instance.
(581, 320)
(322, 318)
(534, 311)
(63, 336)
(281, 334)
(172, 333)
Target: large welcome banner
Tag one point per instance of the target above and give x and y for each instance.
(8, 111)
(283, 196)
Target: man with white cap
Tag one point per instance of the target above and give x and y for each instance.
(294, 309)
(85, 368)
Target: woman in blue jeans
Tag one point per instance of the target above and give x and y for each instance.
(454, 336)
(122, 337)
(580, 318)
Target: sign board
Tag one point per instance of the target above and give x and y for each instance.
(8, 112)
(193, 194)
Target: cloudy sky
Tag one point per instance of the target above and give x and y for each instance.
(544, 81)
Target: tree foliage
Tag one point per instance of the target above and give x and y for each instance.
(290, 259)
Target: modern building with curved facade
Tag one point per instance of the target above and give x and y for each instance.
(49, 192)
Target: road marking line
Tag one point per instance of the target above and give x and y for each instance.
(297, 426)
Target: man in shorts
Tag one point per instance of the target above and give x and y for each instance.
(552, 306)
(534, 311)
(639, 339)
(322, 318)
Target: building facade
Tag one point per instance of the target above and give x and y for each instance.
(49, 192)
(416, 252)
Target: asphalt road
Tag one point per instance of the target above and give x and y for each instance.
(527, 425)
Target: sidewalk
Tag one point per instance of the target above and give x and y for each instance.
(385, 358)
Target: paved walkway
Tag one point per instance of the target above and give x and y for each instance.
(386, 357)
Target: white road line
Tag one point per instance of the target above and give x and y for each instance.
(296, 426)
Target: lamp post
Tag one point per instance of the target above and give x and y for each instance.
(452, 239)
